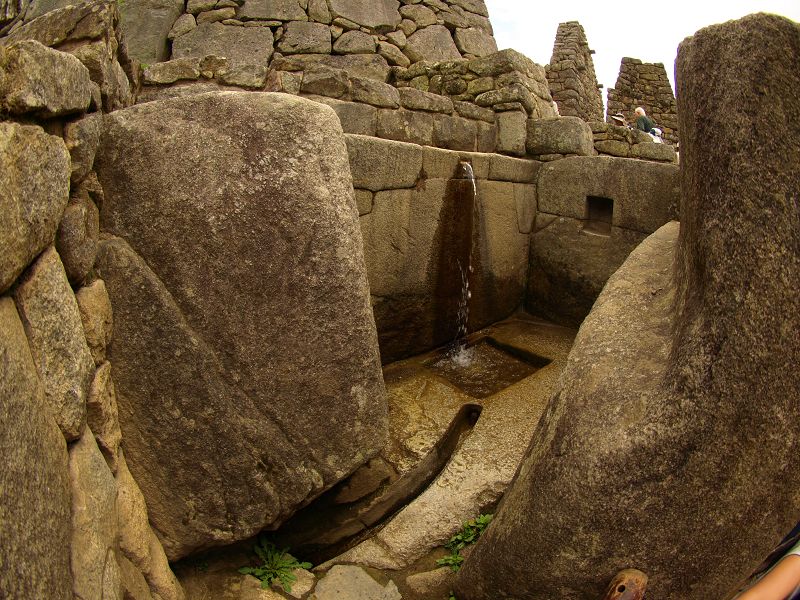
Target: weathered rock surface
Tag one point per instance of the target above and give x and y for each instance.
(96, 315)
(377, 14)
(371, 66)
(77, 236)
(645, 195)
(562, 135)
(187, 68)
(80, 21)
(475, 41)
(569, 266)
(355, 42)
(194, 334)
(34, 189)
(353, 583)
(43, 82)
(105, 71)
(240, 45)
(52, 322)
(432, 43)
(302, 37)
(34, 484)
(81, 138)
(102, 415)
(272, 10)
(137, 542)
(146, 25)
(95, 570)
(134, 585)
(679, 356)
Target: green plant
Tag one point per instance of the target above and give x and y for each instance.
(452, 596)
(275, 565)
(469, 534)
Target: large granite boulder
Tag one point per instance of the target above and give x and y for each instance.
(671, 444)
(146, 25)
(34, 483)
(34, 190)
(592, 212)
(247, 382)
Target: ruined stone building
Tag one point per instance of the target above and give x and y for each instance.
(241, 243)
(645, 85)
(571, 75)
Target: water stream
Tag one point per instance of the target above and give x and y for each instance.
(458, 352)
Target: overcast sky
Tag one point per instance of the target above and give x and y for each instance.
(529, 26)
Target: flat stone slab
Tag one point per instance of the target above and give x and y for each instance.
(376, 14)
(240, 45)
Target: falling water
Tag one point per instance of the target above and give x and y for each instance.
(458, 352)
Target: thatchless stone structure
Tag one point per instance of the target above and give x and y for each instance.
(571, 75)
(646, 85)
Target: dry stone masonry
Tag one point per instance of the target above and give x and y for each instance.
(64, 530)
(403, 34)
(571, 75)
(219, 218)
(645, 85)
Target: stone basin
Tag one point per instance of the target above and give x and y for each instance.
(423, 399)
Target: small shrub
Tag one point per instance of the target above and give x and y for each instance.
(469, 534)
(275, 565)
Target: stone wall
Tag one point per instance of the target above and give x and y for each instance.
(251, 30)
(571, 75)
(401, 192)
(645, 85)
(592, 211)
(615, 140)
(482, 104)
(74, 520)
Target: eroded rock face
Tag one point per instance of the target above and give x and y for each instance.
(432, 43)
(34, 484)
(94, 523)
(53, 325)
(670, 445)
(40, 81)
(263, 353)
(34, 189)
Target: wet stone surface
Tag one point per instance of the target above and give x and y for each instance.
(485, 367)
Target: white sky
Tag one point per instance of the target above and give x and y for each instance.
(529, 26)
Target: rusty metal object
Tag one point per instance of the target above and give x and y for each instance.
(628, 584)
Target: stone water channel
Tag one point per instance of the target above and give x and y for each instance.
(512, 370)
(460, 418)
